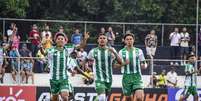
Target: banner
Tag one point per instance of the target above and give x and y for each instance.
(174, 94)
(17, 93)
(89, 94)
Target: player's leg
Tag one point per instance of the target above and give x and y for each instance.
(139, 95)
(194, 93)
(65, 89)
(137, 87)
(101, 90)
(54, 89)
(64, 95)
(185, 94)
(127, 87)
(55, 97)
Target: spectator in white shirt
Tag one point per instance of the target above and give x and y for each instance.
(46, 32)
(172, 78)
(174, 44)
(185, 38)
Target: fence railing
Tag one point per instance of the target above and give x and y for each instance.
(154, 66)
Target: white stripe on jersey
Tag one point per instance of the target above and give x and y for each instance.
(58, 63)
(106, 65)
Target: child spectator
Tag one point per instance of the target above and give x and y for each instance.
(27, 67)
(47, 41)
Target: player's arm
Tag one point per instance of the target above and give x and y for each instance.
(142, 60)
(116, 56)
(84, 41)
(79, 70)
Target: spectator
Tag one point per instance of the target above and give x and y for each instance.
(10, 31)
(110, 36)
(151, 43)
(82, 55)
(34, 36)
(153, 80)
(2, 70)
(162, 80)
(15, 38)
(185, 38)
(46, 32)
(14, 53)
(174, 44)
(41, 61)
(76, 37)
(61, 29)
(5, 43)
(172, 78)
(47, 42)
(102, 30)
(89, 73)
(26, 63)
(27, 66)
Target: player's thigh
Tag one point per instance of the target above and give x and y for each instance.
(100, 87)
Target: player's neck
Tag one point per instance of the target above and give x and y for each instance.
(60, 48)
(129, 47)
(102, 46)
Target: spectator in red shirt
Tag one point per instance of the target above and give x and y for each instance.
(34, 37)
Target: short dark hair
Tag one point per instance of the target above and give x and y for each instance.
(129, 34)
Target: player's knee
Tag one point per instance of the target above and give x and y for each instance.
(102, 97)
(54, 98)
(64, 96)
(139, 95)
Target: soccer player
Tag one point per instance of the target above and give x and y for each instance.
(134, 61)
(102, 57)
(190, 79)
(59, 60)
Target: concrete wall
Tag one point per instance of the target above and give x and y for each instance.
(43, 80)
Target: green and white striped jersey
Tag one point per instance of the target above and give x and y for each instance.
(102, 65)
(135, 56)
(190, 80)
(59, 62)
(70, 47)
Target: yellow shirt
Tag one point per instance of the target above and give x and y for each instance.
(47, 43)
(161, 80)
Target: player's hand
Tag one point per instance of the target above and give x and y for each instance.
(144, 65)
(86, 35)
(91, 80)
(111, 49)
(73, 73)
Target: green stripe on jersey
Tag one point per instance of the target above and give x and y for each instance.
(57, 61)
(133, 57)
(103, 64)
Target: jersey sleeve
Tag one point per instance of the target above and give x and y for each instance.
(187, 68)
(90, 55)
(72, 63)
(141, 55)
(114, 56)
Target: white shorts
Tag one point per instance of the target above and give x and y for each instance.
(151, 51)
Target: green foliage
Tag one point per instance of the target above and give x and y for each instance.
(13, 8)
